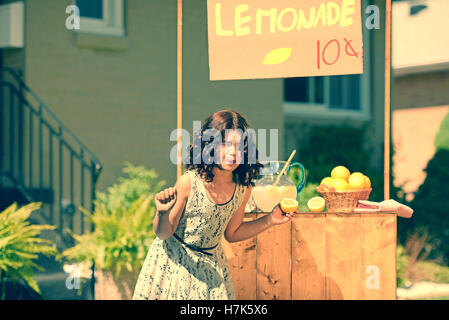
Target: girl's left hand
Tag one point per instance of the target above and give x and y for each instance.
(279, 217)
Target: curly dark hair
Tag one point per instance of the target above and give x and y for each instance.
(220, 121)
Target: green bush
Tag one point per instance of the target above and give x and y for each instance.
(123, 224)
(431, 271)
(138, 181)
(431, 199)
(431, 205)
(329, 146)
(402, 264)
(442, 137)
(20, 246)
(413, 263)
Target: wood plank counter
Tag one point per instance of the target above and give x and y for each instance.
(318, 256)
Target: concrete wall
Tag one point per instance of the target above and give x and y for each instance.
(118, 95)
(13, 57)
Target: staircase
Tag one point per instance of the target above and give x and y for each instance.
(42, 161)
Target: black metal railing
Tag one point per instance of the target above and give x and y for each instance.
(43, 159)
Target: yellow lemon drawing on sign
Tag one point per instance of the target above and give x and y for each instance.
(277, 56)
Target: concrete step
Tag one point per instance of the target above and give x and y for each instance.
(56, 284)
(59, 286)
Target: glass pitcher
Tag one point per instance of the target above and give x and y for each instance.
(264, 195)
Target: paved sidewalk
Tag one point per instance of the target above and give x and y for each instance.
(423, 289)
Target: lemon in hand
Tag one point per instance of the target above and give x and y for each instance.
(289, 205)
(340, 172)
(357, 181)
(316, 204)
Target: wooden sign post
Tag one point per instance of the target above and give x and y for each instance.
(387, 101)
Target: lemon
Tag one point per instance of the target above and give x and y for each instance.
(339, 184)
(289, 205)
(367, 182)
(316, 204)
(340, 172)
(326, 182)
(357, 181)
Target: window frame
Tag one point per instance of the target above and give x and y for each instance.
(323, 110)
(112, 23)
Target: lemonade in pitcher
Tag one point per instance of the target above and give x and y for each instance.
(266, 195)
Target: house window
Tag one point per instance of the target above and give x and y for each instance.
(92, 9)
(101, 16)
(339, 96)
(342, 96)
(333, 92)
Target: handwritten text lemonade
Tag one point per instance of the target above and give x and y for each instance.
(284, 20)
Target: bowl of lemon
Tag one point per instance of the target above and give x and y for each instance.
(342, 190)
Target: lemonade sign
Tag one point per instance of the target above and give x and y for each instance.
(275, 39)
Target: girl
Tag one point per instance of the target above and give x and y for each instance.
(186, 260)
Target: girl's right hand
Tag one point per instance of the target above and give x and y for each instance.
(279, 217)
(165, 199)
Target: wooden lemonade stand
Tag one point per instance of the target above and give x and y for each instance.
(328, 255)
(338, 254)
(318, 256)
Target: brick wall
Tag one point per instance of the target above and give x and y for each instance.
(420, 90)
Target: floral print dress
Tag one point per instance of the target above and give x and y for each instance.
(172, 270)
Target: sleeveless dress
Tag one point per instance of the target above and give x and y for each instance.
(173, 271)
